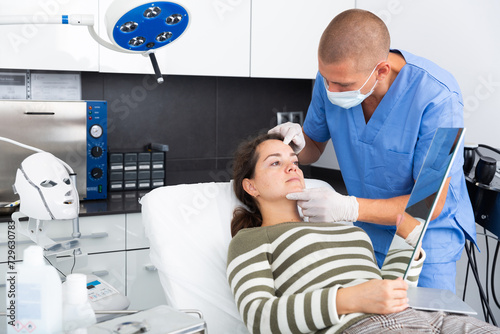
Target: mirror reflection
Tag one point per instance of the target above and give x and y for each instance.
(423, 198)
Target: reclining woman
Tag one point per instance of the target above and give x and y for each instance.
(290, 276)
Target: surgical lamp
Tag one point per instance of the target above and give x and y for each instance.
(133, 26)
(46, 186)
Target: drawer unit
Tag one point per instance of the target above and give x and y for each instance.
(136, 170)
(114, 247)
(99, 234)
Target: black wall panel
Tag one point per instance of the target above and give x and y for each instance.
(202, 119)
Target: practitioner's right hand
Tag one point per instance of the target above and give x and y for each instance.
(375, 296)
(291, 132)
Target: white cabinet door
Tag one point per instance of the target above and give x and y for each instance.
(102, 233)
(144, 289)
(48, 46)
(136, 237)
(216, 42)
(286, 33)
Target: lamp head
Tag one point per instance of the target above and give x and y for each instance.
(143, 26)
(46, 189)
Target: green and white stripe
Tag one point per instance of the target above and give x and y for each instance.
(285, 278)
(396, 262)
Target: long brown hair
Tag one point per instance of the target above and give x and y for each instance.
(245, 159)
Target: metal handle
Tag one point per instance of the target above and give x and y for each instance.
(49, 113)
(197, 312)
(156, 68)
(98, 235)
(100, 273)
(150, 267)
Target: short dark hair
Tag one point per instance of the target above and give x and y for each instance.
(356, 35)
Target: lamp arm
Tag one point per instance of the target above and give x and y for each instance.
(68, 167)
(83, 20)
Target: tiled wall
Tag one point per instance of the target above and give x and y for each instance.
(202, 119)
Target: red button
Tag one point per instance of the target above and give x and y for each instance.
(90, 118)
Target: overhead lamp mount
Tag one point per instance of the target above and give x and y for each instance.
(133, 26)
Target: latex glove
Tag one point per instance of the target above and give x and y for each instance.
(412, 238)
(326, 205)
(291, 132)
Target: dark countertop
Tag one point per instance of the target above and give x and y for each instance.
(120, 202)
(116, 203)
(128, 201)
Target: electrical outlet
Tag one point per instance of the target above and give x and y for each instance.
(290, 116)
(297, 117)
(282, 117)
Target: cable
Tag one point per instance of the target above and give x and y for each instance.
(493, 269)
(14, 142)
(487, 267)
(31, 148)
(474, 271)
(481, 291)
(73, 267)
(489, 236)
(489, 148)
(74, 261)
(54, 266)
(466, 279)
(495, 256)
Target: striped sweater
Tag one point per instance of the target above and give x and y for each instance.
(285, 277)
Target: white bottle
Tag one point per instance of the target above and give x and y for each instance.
(77, 312)
(38, 297)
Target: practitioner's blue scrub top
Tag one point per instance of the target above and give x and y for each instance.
(382, 158)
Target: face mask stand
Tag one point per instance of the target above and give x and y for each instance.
(35, 229)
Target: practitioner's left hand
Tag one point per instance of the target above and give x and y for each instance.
(326, 205)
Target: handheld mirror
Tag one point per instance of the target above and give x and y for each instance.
(424, 197)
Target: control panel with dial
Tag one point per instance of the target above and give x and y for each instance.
(97, 157)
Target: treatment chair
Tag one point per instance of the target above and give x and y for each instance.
(188, 227)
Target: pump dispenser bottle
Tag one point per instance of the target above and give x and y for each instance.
(38, 301)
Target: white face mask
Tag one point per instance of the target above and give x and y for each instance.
(351, 98)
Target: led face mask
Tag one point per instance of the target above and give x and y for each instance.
(351, 98)
(45, 188)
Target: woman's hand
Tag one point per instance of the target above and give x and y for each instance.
(375, 296)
